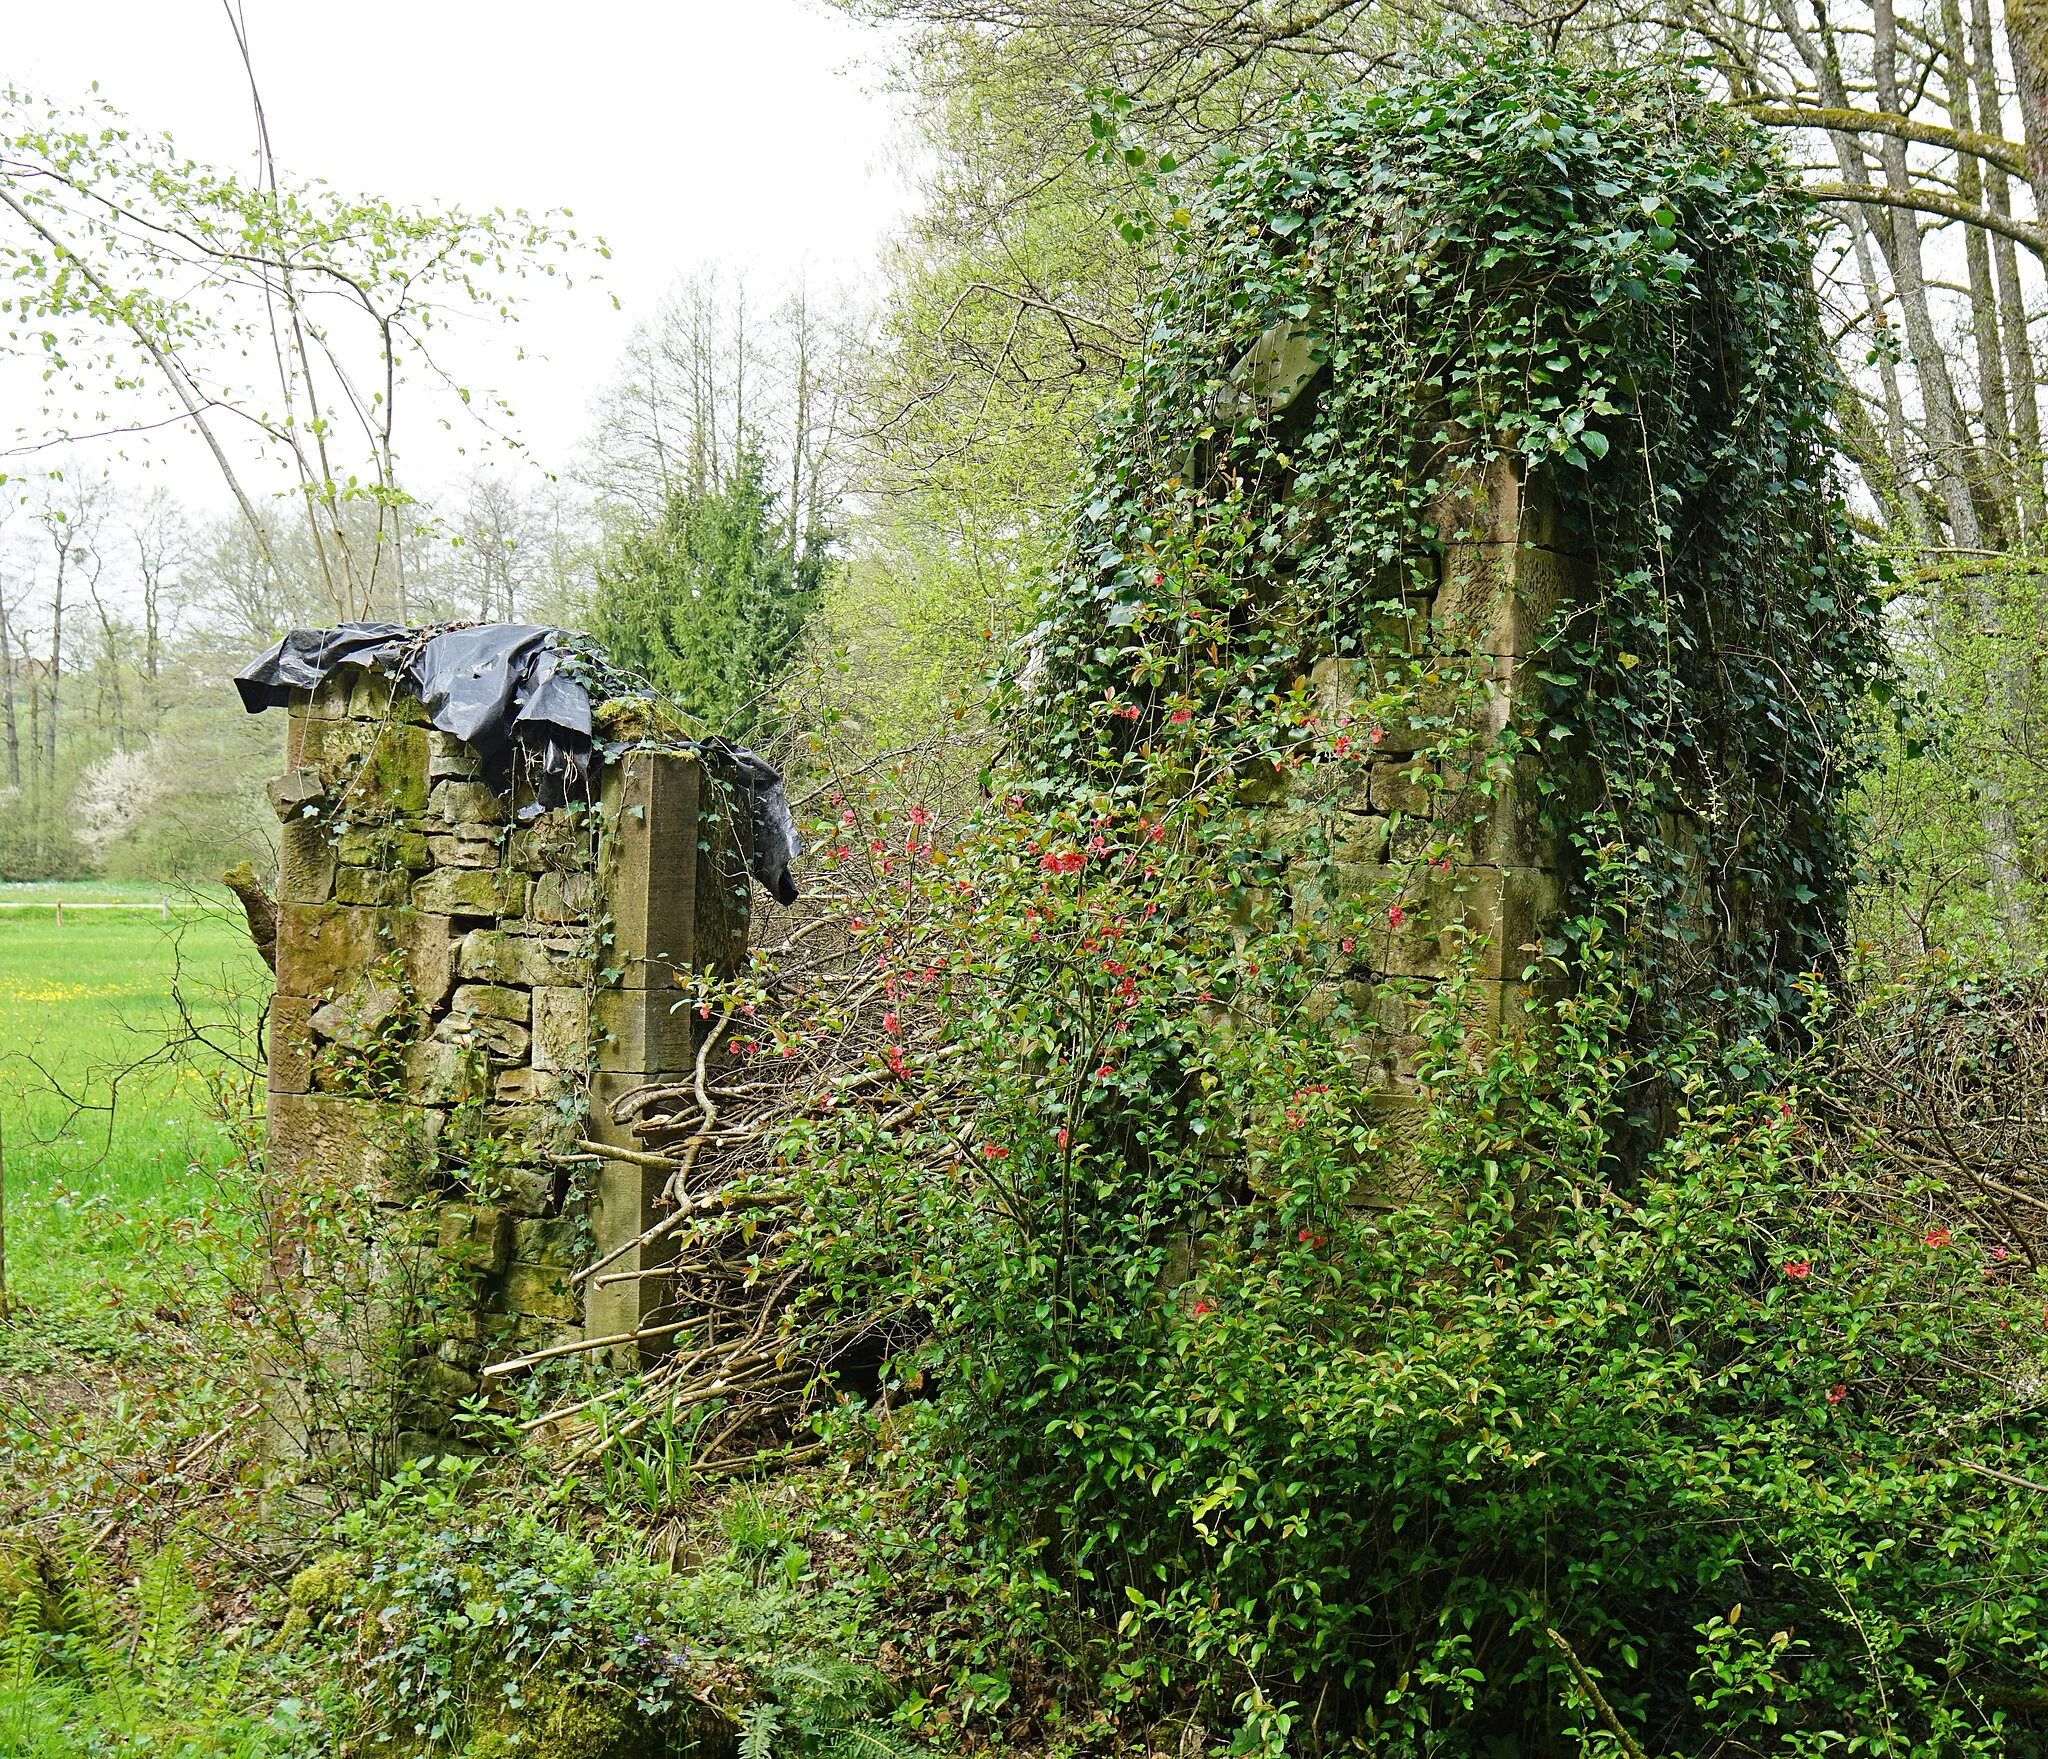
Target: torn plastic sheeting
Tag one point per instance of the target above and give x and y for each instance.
(504, 688)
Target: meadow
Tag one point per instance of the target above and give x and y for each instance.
(110, 1141)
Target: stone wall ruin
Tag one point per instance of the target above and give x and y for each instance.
(463, 989)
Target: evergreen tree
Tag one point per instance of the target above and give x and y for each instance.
(711, 602)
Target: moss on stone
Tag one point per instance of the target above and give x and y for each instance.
(318, 1592)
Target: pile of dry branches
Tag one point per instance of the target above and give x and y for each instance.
(831, 1035)
(1944, 1080)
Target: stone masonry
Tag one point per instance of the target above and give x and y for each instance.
(461, 994)
(1506, 568)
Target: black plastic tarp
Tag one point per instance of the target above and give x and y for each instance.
(510, 690)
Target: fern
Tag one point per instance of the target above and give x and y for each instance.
(758, 1729)
(166, 1604)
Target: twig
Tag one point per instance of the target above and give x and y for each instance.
(577, 1345)
(1628, 1742)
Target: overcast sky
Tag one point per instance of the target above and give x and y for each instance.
(748, 132)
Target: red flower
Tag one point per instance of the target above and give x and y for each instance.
(893, 1056)
(889, 1021)
(919, 816)
(1343, 744)
(1837, 1393)
(1378, 733)
(1347, 946)
(1202, 1307)
(1799, 1270)
(1394, 915)
(995, 1151)
(1180, 715)
(1937, 1237)
(1096, 846)
(1062, 1138)
(1063, 861)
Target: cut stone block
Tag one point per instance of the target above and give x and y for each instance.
(1501, 598)
(360, 1014)
(493, 1001)
(1497, 504)
(523, 1086)
(291, 1043)
(475, 1239)
(458, 849)
(466, 803)
(429, 943)
(438, 1073)
(294, 791)
(562, 897)
(369, 885)
(487, 955)
(652, 803)
(558, 959)
(450, 758)
(321, 947)
(553, 1242)
(503, 1041)
(305, 862)
(561, 1029)
(347, 1142)
(393, 773)
(555, 842)
(381, 846)
(643, 1029)
(1398, 785)
(541, 1289)
(469, 891)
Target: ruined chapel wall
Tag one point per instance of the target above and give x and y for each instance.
(461, 997)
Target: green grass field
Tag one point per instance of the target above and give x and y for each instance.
(108, 1145)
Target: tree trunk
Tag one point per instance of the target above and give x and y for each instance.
(2012, 309)
(2026, 41)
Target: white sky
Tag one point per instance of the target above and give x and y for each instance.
(751, 133)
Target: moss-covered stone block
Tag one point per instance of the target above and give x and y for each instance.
(493, 1001)
(466, 803)
(541, 1290)
(465, 846)
(371, 886)
(561, 1028)
(381, 845)
(393, 775)
(552, 1240)
(489, 955)
(474, 1239)
(470, 891)
(452, 759)
(438, 1073)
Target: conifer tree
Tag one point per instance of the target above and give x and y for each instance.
(712, 602)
